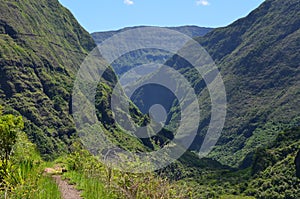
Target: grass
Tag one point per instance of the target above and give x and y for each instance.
(91, 187)
(235, 197)
(97, 180)
(22, 177)
(27, 181)
(47, 189)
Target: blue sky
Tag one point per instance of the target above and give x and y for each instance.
(101, 15)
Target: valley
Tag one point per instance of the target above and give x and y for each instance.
(43, 50)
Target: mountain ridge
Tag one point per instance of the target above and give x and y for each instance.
(265, 65)
(190, 30)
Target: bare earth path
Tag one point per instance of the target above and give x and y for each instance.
(67, 191)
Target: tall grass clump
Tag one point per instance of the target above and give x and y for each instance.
(96, 180)
(21, 167)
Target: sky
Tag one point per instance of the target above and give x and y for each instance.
(104, 15)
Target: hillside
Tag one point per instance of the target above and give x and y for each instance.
(258, 57)
(42, 48)
(274, 168)
(39, 56)
(259, 60)
(272, 173)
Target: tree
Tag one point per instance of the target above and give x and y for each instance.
(10, 125)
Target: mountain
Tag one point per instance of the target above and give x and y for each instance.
(258, 58)
(143, 56)
(42, 48)
(191, 31)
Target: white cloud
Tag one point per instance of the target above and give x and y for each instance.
(128, 2)
(202, 3)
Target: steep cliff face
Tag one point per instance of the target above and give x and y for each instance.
(42, 46)
(42, 49)
(259, 59)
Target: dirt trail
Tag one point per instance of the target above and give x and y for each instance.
(67, 191)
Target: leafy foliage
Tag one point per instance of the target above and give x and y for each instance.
(276, 177)
(10, 126)
(21, 166)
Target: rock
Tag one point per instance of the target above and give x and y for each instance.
(50, 171)
(56, 170)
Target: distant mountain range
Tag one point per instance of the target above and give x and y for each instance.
(191, 31)
(133, 59)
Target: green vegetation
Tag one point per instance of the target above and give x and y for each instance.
(42, 47)
(21, 166)
(265, 179)
(10, 126)
(97, 180)
(258, 58)
(274, 169)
